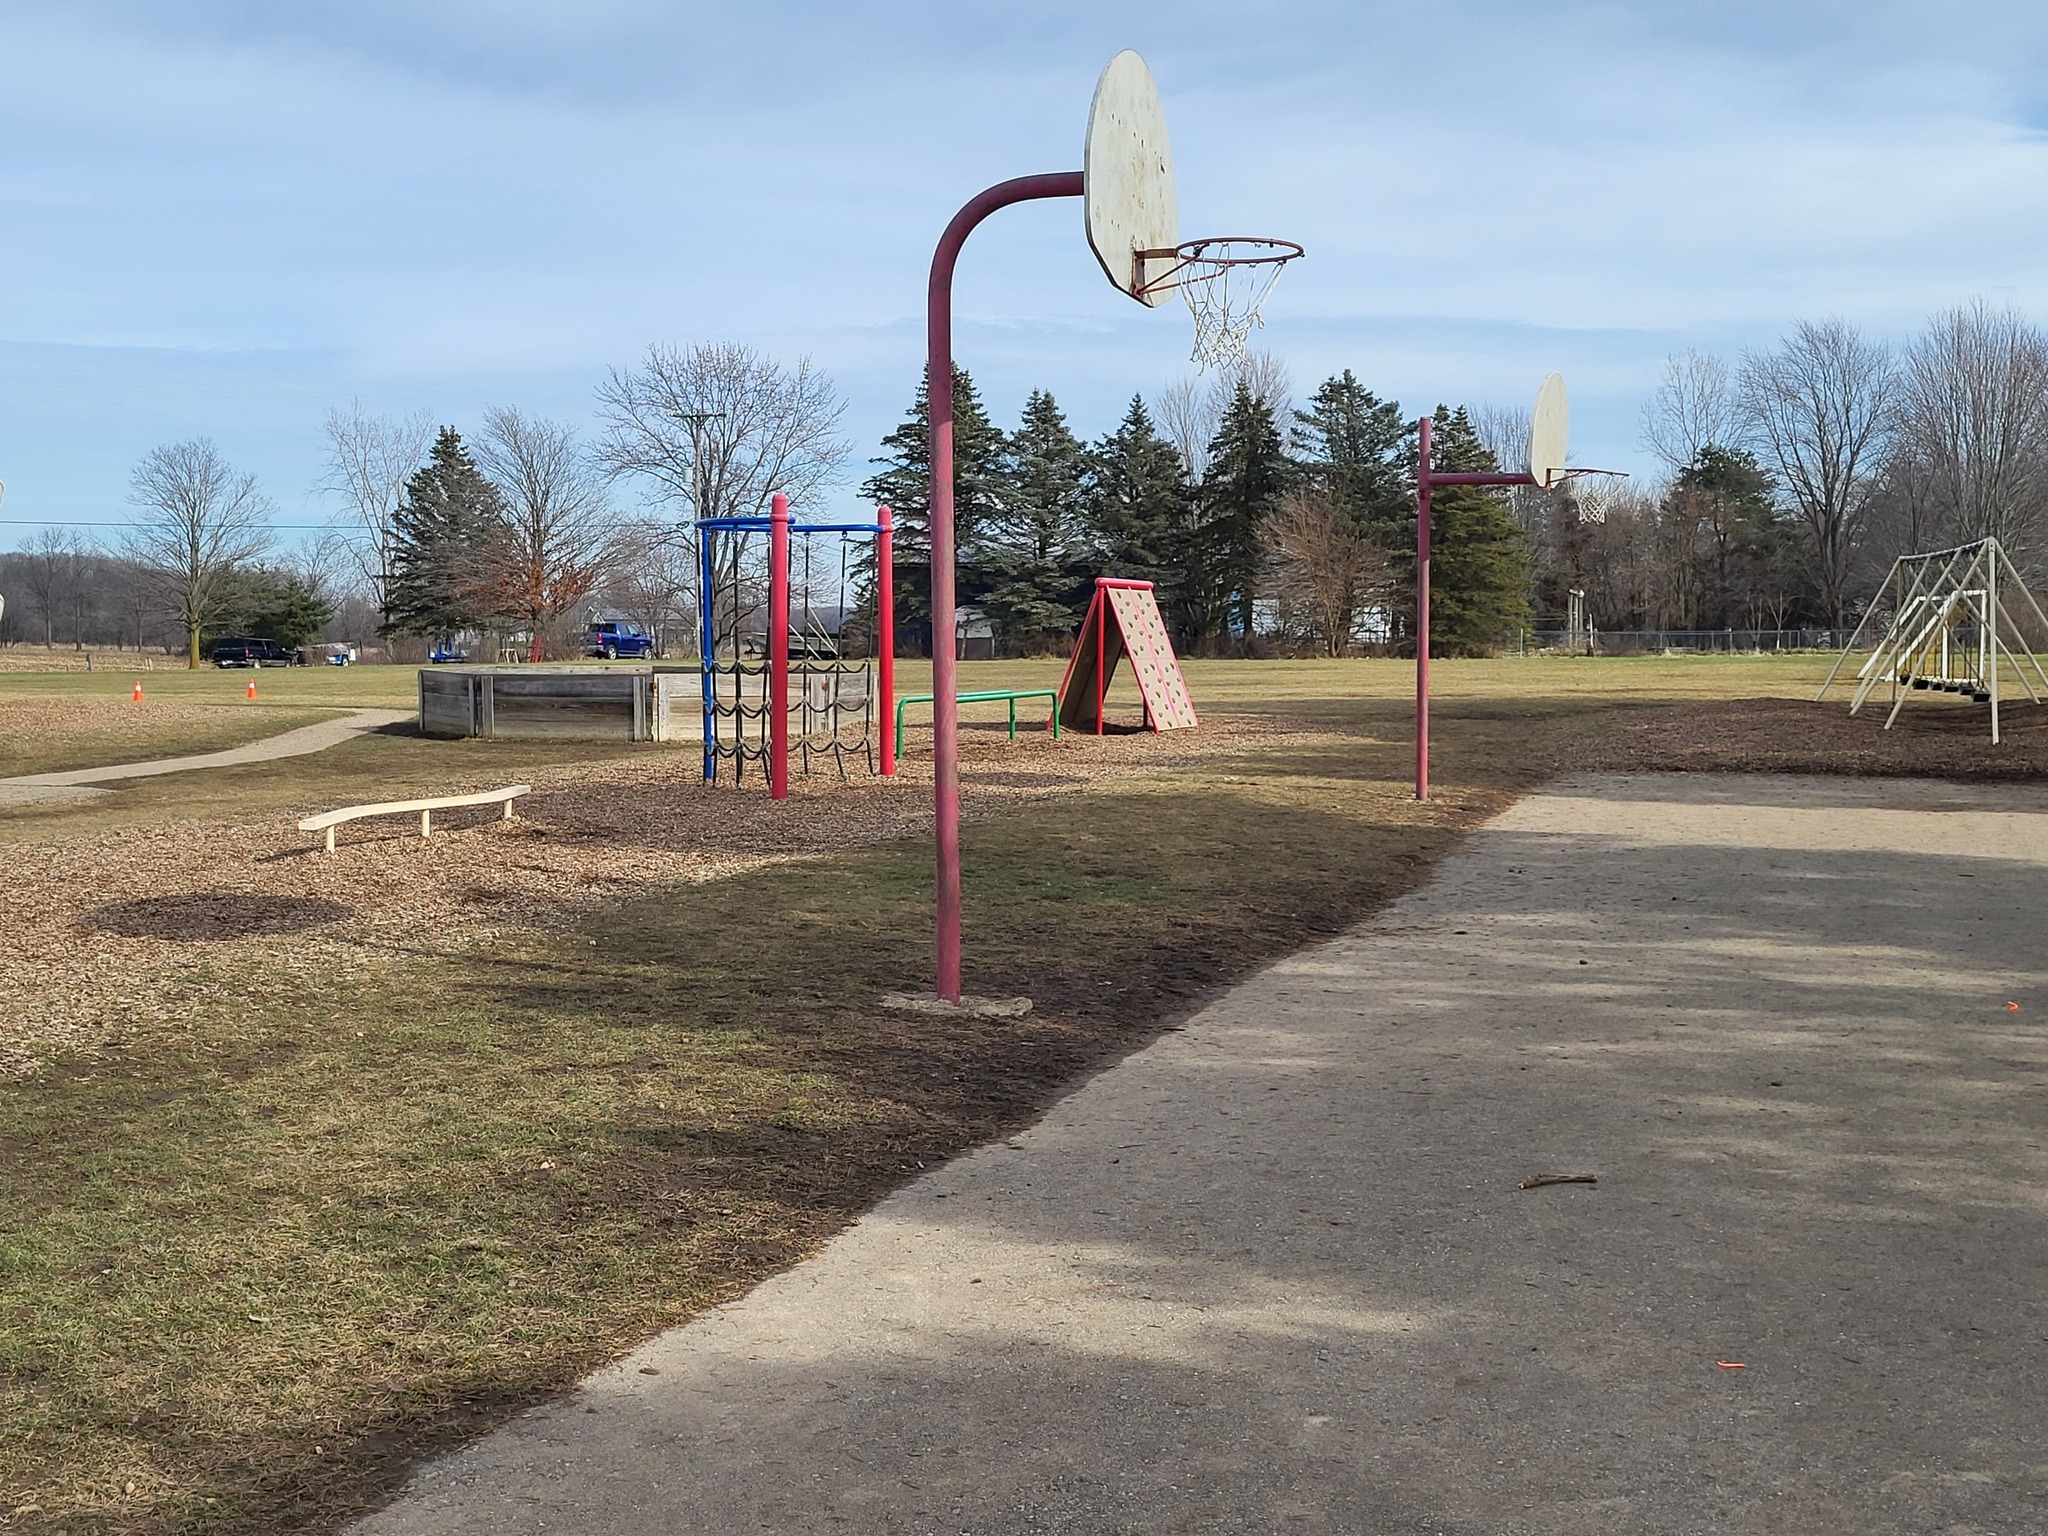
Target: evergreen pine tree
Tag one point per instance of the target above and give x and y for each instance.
(903, 484)
(450, 510)
(1355, 446)
(1248, 471)
(1479, 566)
(1031, 553)
(1730, 498)
(1137, 501)
(276, 605)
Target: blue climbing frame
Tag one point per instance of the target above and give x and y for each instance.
(883, 528)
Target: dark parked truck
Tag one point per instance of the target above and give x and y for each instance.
(246, 651)
(613, 640)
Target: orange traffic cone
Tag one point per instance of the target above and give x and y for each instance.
(138, 690)
(252, 689)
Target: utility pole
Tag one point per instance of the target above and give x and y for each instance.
(697, 420)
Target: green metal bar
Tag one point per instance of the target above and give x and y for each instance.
(986, 696)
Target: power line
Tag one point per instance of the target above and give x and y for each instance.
(63, 522)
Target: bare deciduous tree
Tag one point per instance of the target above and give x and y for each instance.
(718, 429)
(1320, 569)
(1504, 429)
(369, 460)
(41, 565)
(1694, 407)
(653, 582)
(200, 522)
(83, 578)
(1190, 410)
(1973, 422)
(557, 536)
(1817, 410)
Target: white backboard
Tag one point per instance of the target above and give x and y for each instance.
(1127, 166)
(1549, 431)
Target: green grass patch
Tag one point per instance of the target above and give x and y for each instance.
(40, 740)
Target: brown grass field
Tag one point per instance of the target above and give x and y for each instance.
(312, 1165)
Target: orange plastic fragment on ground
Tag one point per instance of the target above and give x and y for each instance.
(1731, 1365)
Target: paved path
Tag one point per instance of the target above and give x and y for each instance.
(75, 783)
(1275, 1273)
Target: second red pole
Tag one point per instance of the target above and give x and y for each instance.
(1422, 489)
(778, 648)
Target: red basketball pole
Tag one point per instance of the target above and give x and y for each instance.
(1426, 481)
(939, 398)
(885, 629)
(778, 648)
(1422, 511)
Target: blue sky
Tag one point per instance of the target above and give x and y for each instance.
(222, 218)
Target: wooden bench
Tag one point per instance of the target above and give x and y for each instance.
(327, 821)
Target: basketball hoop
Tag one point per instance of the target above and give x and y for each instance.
(1224, 281)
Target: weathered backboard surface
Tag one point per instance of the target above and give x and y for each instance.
(1122, 621)
(1549, 431)
(1127, 170)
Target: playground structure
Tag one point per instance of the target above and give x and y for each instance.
(1131, 212)
(1549, 436)
(1124, 620)
(1950, 631)
(746, 702)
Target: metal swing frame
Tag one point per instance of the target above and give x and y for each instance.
(1950, 629)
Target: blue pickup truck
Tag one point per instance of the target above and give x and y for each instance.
(612, 640)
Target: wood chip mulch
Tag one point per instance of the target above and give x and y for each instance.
(110, 937)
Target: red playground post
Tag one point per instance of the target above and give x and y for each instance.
(778, 648)
(1422, 609)
(945, 685)
(1548, 425)
(885, 630)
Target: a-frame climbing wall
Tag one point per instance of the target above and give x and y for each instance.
(1124, 620)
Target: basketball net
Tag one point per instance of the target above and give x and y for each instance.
(1224, 283)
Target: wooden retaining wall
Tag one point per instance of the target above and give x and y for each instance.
(562, 703)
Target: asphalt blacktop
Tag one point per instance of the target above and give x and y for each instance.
(1277, 1273)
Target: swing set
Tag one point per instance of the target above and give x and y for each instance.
(747, 703)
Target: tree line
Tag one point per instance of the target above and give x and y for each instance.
(1797, 473)
(1262, 528)
(1794, 474)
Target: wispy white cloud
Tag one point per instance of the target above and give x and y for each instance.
(227, 214)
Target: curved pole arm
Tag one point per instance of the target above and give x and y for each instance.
(939, 401)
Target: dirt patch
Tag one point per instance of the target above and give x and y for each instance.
(1937, 739)
(214, 916)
